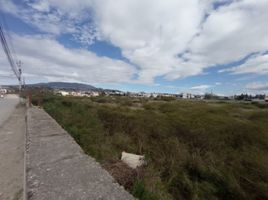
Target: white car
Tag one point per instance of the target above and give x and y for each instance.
(1, 96)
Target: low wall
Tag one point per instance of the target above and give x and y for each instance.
(57, 168)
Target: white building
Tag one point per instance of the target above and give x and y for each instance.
(64, 93)
(3, 91)
(94, 94)
(187, 95)
(154, 95)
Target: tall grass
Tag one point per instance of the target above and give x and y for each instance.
(195, 150)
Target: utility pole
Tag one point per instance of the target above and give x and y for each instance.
(19, 64)
(23, 84)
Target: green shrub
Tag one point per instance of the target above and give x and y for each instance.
(139, 191)
(194, 150)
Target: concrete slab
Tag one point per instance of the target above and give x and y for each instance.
(57, 168)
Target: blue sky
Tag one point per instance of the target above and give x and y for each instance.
(146, 45)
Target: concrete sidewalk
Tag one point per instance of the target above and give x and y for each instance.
(7, 106)
(57, 169)
(12, 137)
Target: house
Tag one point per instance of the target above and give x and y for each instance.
(154, 95)
(197, 96)
(63, 93)
(94, 94)
(187, 95)
(3, 91)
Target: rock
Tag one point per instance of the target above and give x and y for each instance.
(133, 160)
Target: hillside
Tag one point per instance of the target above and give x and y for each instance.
(65, 86)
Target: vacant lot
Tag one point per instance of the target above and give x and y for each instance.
(194, 149)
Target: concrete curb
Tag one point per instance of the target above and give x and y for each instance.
(25, 151)
(24, 161)
(56, 167)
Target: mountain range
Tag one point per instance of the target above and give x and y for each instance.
(65, 86)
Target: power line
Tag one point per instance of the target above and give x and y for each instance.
(8, 54)
(5, 28)
(15, 66)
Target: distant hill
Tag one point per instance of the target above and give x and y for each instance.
(65, 86)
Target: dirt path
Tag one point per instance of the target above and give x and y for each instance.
(12, 134)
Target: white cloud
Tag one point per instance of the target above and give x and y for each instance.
(56, 17)
(6, 73)
(9, 7)
(257, 86)
(232, 32)
(152, 33)
(41, 6)
(200, 87)
(257, 64)
(73, 7)
(47, 60)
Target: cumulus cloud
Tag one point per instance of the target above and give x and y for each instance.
(200, 87)
(232, 32)
(7, 74)
(257, 86)
(151, 34)
(256, 64)
(56, 17)
(172, 39)
(176, 39)
(45, 57)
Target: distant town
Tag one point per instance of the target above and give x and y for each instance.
(83, 90)
(246, 97)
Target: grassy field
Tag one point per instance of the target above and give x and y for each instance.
(194, 149)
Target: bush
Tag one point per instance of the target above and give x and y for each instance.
(122, 173)
(140, 192)
(195, 150)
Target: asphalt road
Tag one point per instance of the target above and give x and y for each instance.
(7, 106)
(12, 137)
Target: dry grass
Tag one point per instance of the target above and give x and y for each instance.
(195, 150)
(122, 173)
